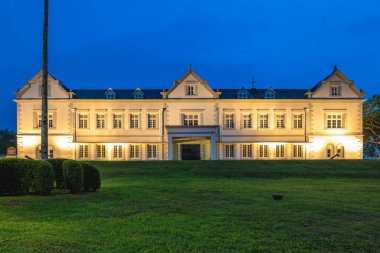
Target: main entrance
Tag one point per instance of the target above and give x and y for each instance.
(190, 152)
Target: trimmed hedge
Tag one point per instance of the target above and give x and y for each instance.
(58, 172)
(73, 175)
(20, 176)
(91, 178)
(42, 177)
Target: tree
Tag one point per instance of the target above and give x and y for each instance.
(7, 139)
(44, 92)
(371, 126)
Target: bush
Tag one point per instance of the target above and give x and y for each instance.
(91, 177)
(41, 177)
(73, 175)
(14, 176)
(58, 173)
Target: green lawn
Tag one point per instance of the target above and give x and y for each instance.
(205, 206)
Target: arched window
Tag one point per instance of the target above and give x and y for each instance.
(50, 152)
(340, 150)
(330, 151)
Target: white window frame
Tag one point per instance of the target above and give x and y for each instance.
(263, 151)
(280, 121)
(263, 121)
(117, 121)
(191, 90)
(335, 90)
(297, 121)
(117, 151)
(84, 151)
(229, 120)
(334, 121)
(134, 121)
(152, 121)
(297, 151)
(190, 119)
(247, 120)
(83, 120)
(101, 119)
(101, 151)
(246, 151)
(152, 151)
(229, 150)
(280, 151)
(134, 151)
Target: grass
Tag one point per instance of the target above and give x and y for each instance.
(205, 206)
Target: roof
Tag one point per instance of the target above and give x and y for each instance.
(226, 94)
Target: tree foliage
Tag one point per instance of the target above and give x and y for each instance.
(371, 126)
(7, 139)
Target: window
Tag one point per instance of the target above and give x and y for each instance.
(230, 121)
(340, 151)
(270, 94)
(334, 121)
(134, 121)
(330, 151)
(247, 121)
(230, 149)
(134, 151)
(117, 151)
(50, 119)
(152, 151)
(100, 121)
(247, 151)
(152, 121)
(100, 151)
(297, 151)
(280, 120)
(335, 90)
(111, 95)
(83, 151)
(263, 151)
(263, 121)
(190, 119)
(190, 90)
(139, 95)
(83, 120)
(280, 151)
(50, 152)
(297, 121)
(117, 120)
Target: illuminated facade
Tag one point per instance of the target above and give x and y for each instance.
(193, 121)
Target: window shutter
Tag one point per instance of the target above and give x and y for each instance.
(40, 90)
(49, 90)
(196, 89)
(241, 150)
(344, 120)
(325, 120)
(35, 120)
(54, 119)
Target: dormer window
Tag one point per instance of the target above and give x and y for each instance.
(335, 90)
(191, 90)
(270, 94)
(110, 94)
(138, 94)
(242, 93)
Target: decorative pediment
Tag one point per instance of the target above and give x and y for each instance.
(138, 94)
(335, 85)
(110, 94)
(32, 88)
(190, 86)
(270, 93)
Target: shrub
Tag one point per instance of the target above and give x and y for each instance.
(41, 177)
(73, 175)
(14, 176)
(58, 173)
(91, 177)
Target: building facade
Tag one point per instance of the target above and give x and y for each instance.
(192, 121)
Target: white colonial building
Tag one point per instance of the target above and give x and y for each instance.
(193, 121)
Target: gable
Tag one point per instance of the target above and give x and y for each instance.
(344, 87)
(32, 89)
(190, 86)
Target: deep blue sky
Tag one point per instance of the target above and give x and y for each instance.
(125, 44)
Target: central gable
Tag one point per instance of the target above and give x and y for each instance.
(32, 89)
(190, 86)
